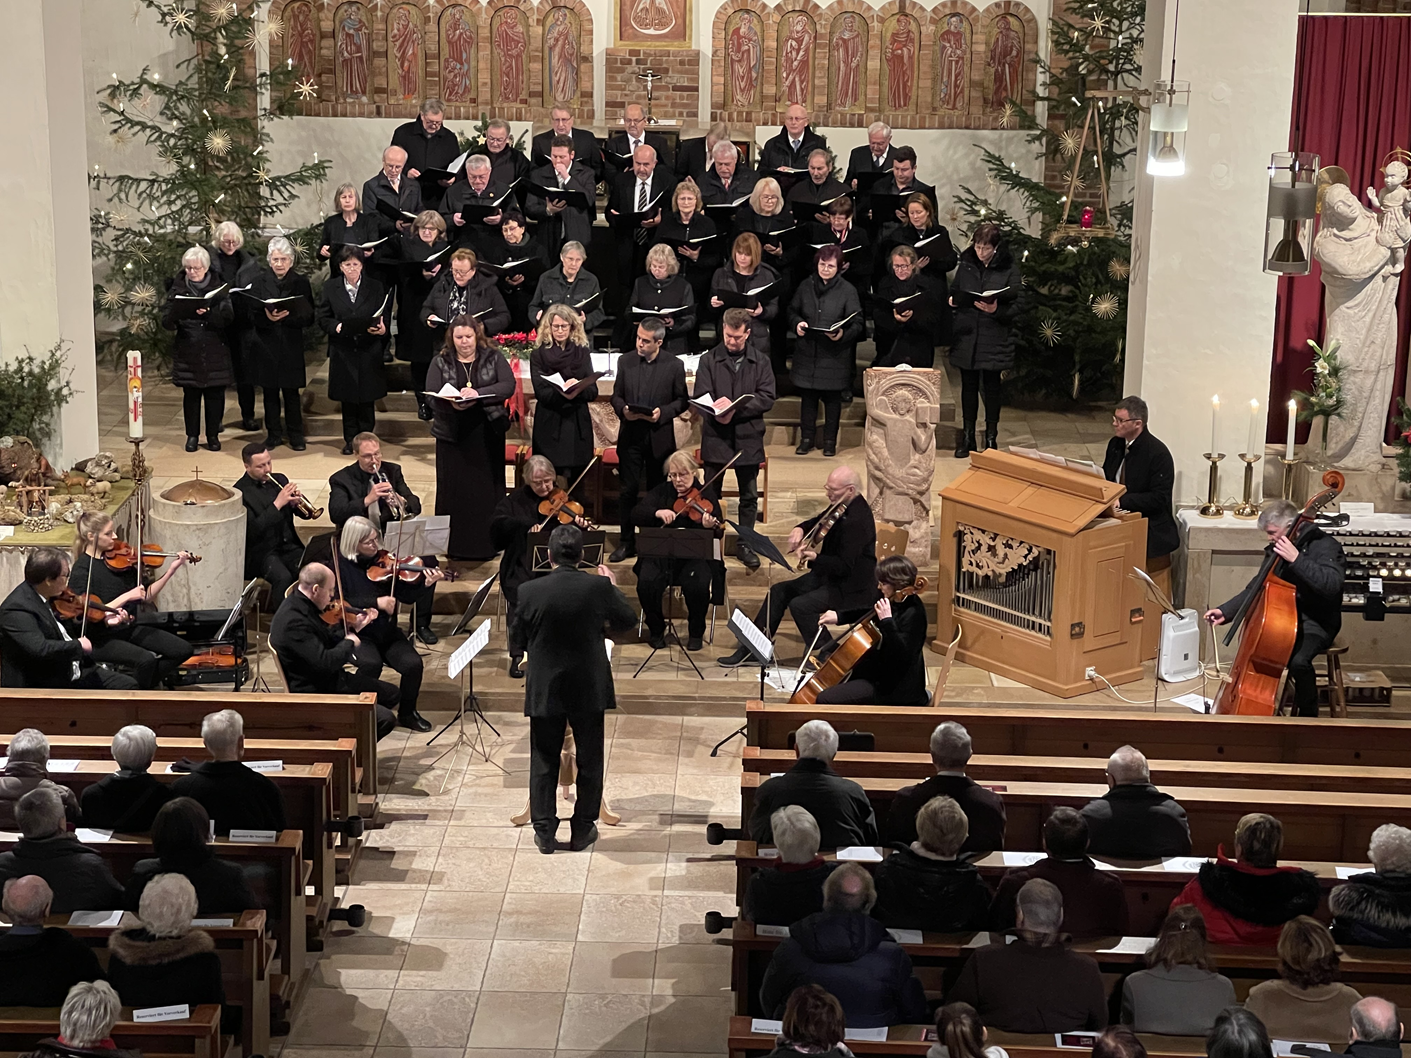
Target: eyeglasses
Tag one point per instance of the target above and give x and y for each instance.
(1118, 422)
(681, 475)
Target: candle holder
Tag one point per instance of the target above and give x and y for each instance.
(138, 468)
(1290, 476)
(1211, 508)
(1247, 508)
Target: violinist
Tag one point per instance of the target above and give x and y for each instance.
(151, 653)
(383, 643)
(893, 672)
(36, 649)
(1313, 563)
(665, 505)
(842, 564)
(312, 652)
(272, 546)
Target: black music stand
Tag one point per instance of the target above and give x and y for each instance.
(477, 603)
(668, 542)
(594, 547)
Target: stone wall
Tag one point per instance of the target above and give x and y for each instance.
(673, 99)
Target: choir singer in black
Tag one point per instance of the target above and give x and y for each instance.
(694, 575)
(350, 315)
(272, 546)
(274, 342)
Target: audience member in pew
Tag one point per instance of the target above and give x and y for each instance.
(1374, 908)
(1134, 820)
(1248, 899)
(1238, 1034)
(813, 1026)
(127, 800)
(164, 962)
(234, 795)
(86, 1023)
(1306, 1002)
(925, 885)
(38, 966)
(950, 750)
(1094, 903)
(839, 805)
(961, 1034)
(181, 840)
(1118, 1041)
(1180, 994)
(780, 896)
(26, 769)
(78, 875)
(850, 954)
(1035, 984)
(1376, 1029)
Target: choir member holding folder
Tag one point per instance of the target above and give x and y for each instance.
(236, 267)
(198, 309)
(985, 297)
(747, 284)
(826, 317)
(279, 305)
(569, 283)
(517, 260)
(422, 254)
(472, 381)
(936, 255)
(459, 290)
(663, 293)
(348, 226)
(909, 311)
(562, 197)
(694, 239)
(561, 370)
(351, 314)
(474, 207)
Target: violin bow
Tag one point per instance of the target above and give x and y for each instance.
(569, 491)
(338, 579)
(83, 625)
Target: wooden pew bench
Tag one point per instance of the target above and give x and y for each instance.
(195, 1037)
(1078, 732)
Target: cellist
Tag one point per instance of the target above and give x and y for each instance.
(1314, 565)
(893, 672)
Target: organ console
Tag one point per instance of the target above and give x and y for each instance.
(1377, 548)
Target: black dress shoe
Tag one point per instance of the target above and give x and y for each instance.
(545, 845)
(585, 839)
(273, 440)
(622, 554)
(249, 423)
(829, 451)
(747, 556)
(735, 660)
(427, 636)
(695, 643)
(414, 720)
(348, 449)
(804, 448)
(298, 444)
(423, 412)
(516, 673)
(213, 443)
(192, 444)
(657, 642)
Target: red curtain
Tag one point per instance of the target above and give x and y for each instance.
(1351, 105)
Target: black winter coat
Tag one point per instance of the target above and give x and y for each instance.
(489, 375)
(554, 289)
(913, 342)
(932, 243)
(148, 971)
(1317, 576)
(416, 342)
(234, 796)
(777, 153)
(780, 896)
(480, 298)
(337, 233)
(726, 278)
(125, 801)
(1136, 821)
(819, 361)
(200, 356)
(1373, 908)
(274, 350)
(839, 805)
(649, 292)
(517, 296)
(355, 370)
(984, 809)
(744, 433)
(220, 884)
(852, 956)
(856, 244)
(1150, 475)
(38, 969)
(937, 896)
(563, 427)
(984, 341)
(79, 876)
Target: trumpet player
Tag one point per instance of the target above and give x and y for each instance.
(272, 547)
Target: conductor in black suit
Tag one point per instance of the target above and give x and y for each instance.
(272, 546)
(585, 144)
(563, 618)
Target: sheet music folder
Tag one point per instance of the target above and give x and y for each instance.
(667, 541)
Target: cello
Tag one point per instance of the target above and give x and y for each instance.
(1270, 620)
(856, 641)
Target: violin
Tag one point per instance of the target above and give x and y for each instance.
(408, 568)
(69, 605)
(692, 503)
(221, 656)
(559, 505)
(813, 540)
(851, 648)
(338, 612)
(123, 556)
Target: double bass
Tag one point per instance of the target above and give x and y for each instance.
(1270, 620)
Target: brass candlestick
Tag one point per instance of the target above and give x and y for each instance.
(1290, 476)
(139, 461)
(1247, 508)
(1211, 508)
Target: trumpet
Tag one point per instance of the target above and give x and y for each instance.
(394, 501)
(302, 507)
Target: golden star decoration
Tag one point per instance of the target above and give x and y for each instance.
(261, 173)
(140, 254)
(1008, 117)
(219, 11)
(1049, 332)
(143, 294)
(1069, 142)
(274, 26)
(1117, 268)
(1099, 24)
(306, 89)
(1105, 307)
(120, 216)
(110, 299)
(254, 36)
(218, 143)
(179, 17)
(120, 139)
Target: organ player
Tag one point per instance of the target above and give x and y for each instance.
(842, 570)
(1314, 565)
(272, 546)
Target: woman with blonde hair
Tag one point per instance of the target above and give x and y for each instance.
(665, 293)
(764, 215)
(1179, 994)
(348, 225)
(1306, 1002)
(694, 239)
(736, 279)
(563, 429)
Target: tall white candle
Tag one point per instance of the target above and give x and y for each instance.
(1293, 425)
(1250, 449)
(134, 393)
(1215, 425)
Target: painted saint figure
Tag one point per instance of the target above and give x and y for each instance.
(796, 64)
(354, 53)
(746, 54)
(847, 69)
(950, 70)
(1007, 60)
(302, 38)
(511, 44)
(562, 44)
(901, 64)
(405, 38)
(458, 56)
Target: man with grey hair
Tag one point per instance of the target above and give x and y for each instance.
(839, 805)
(38, 966)
(792, 146)
(1316, 567)
(234, 795)
(507, 162)
(635, 133)
(27, 769)
(1134, 820)
(849, 953)
(727, 180)
(780, 896)
(127, 800)
(874, 156)
(1035, 984)
(1376, 1029)
(1374, 908)
(429, 145)
(984, 809)
(470, 210)
(78, 875)
(86, 1024)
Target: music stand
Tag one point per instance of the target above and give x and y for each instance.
(668, 543)
(249, 595)
(460, 663)
(419, 534)
(477, 602)
(594, 547)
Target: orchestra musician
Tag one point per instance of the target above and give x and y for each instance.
(842, 565)
(152, 653)
(273, 549)
(894, 671)
(694, 575)
(1315, 566)
(312, 652)
(36, 649)
(383, 643)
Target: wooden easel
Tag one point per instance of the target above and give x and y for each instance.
(568, 775)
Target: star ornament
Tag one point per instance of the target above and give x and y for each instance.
(1069, 142)
(1105, 307)
(261, 173)
(219, 11)
(110, 299)
(218, 143)
(306, 89)
(1049, 332)
(1009, 116)
(274, 26)
(1099, 24)
(1119, 269)
(143, 294)
(180, 18)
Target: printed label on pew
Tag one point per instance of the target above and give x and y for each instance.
(771, 931)
(265, 765)
(87, 836)
(767, 854)
(1131, 946)
(268, 837)
(212, 923)
(1345, 873)
(877, 1035)
(765, 1027)
(1081, 1040)
(861, 853)
(1022, 859)
(95, 918)
(1183, 864)
(62, 765)
(904, 936)
(1286, 1048)
(176, 1012)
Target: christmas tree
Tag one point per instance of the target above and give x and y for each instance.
(209, 128)
(1073, 318)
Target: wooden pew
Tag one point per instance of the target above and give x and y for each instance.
(177, 714)
(1318, 825)
(1074, 731)
(994, 768)
(195, 1037)
(245, 967)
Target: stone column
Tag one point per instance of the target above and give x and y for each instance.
(46, 273)
(1201, 314)
(902, 409)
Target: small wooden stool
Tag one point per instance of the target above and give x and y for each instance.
(1337, 690)
(568, 775)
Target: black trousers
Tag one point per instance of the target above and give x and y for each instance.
(638, 471)
(293, 414)
(245, 396)
(281, 569)
(417, 601)
(654, 577)
(545, 747)
(192, 398)
(747, 481)
(808, 414)
(1312, 640)
(102, 678)
(805, 598)
(359, 417)
(514, 640)
(387, 697)
(389, 646)
(152, 653)
(849, 692)
(971, 385)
